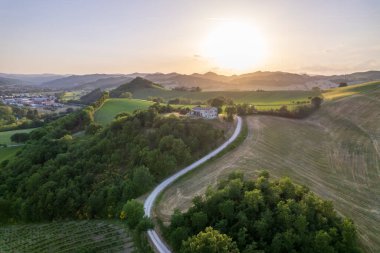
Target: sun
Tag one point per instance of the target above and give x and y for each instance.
(234, 46)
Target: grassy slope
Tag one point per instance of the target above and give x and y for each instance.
(257, 98)
(73, 236)
(114, 106)
(335, 152)
(5, 137)
(8, 153)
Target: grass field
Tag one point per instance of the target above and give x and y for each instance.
(72, 236)
(73, 95)
(114, 106)
(5, 137)
(335, 152)
(8, 153)
(253, 97)
(364, 88)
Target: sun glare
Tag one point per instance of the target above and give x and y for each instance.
(234, 46)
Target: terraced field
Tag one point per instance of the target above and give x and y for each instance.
(114, 106)
(335, 152)
(59, 237)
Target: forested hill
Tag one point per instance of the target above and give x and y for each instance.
(132, 86)
(58, 175)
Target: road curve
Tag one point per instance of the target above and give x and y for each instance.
(158, 243)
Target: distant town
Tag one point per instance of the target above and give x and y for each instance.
(34, 101)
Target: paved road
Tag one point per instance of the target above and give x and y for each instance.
(158, 243)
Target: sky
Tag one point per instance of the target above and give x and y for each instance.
(123, 36)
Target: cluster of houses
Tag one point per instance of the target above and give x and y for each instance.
(204, 112)
(35, 101)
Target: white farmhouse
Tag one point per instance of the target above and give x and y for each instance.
(205, 112)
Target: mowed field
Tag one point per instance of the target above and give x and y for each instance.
(60, 237)
(252, 97)
(114, 106)
(5, 137)
(335, 152)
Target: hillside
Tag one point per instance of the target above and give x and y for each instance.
(34, 79)
(105, 83)
(74, 81)
(133, 86)
(335, 152)
(91, 97)
(210, 81)
(10, 81)
(93, 174)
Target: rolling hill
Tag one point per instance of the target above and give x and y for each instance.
(137, 84)
(210, 81)
(335, 152)
(75, 81)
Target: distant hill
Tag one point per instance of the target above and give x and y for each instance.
(91, 97)
(10, 81)
(210, 81)
(265, 80)
(138, 83)
(75, 81)
(105, 83)
(33, 79)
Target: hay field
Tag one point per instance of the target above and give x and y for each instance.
(335, 152)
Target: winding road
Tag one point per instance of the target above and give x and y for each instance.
(158, 243)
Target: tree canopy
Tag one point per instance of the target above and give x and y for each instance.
(262, 215)
(94, 175)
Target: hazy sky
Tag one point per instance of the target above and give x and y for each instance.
(110, 36)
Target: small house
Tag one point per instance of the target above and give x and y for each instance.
(205, 112)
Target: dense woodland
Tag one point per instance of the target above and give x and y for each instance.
(260, 216)
(58, 175)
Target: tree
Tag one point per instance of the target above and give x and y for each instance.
(142, 179)
(134, 213)
(316, 102)
(342, 84)
(262, 215)
(199, 220)
(126, 95)
(20, 137)
(230, 111)
(209, 241)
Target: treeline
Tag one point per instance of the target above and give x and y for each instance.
(260, 215)
(191, 89)
(302, 110)
(14, 117)
(58, 176)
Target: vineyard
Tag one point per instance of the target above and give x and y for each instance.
(72, 236)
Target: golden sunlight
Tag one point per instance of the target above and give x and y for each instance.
(234, 46)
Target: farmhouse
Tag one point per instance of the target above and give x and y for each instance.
(205, 112)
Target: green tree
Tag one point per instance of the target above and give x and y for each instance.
(230, 111)
(134, 212)
(209, 241)
(126, 95)
(316, 102)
